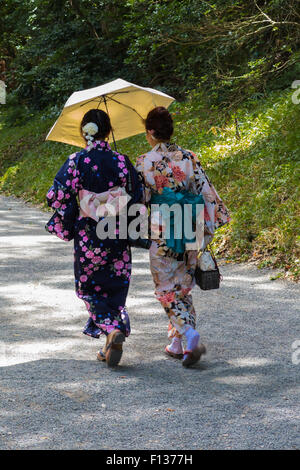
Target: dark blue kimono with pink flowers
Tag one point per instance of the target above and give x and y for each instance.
(102, 267)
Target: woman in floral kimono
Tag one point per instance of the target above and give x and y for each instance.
(92, 177)
(168, 170)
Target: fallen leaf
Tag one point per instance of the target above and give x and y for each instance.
(77, 396)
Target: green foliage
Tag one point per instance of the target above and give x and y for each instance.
(63, 46)
(231, 50)
(229, 63)
(257, 174)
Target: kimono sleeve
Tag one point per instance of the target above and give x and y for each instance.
(62, 198)
(134, 186)
(140, 168)
(215, 212)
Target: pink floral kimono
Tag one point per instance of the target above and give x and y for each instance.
(168, 165)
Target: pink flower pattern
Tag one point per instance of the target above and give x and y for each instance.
(102, 269)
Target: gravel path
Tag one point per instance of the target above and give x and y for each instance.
(244, 394)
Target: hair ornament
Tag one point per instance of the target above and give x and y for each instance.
(89, 130)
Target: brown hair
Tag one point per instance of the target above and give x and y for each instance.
(160, 120)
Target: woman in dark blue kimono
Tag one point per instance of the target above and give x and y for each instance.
(102, 266)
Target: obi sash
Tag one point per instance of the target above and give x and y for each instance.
(107, 203)
(170, 197)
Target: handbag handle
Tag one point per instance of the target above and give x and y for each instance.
(210, 250)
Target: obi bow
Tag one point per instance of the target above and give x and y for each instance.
(176, 222)
(108, 203)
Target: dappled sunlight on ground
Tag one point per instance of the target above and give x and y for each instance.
(243, 394)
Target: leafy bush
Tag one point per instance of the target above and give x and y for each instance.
(257, 174)
(233, 50)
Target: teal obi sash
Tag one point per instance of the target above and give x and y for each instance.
(176, 222)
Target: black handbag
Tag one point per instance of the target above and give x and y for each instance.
(207, 280)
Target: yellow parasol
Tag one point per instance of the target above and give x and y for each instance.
(126, 104)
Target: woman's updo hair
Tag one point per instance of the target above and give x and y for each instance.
(102, 121)
(160, 120)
